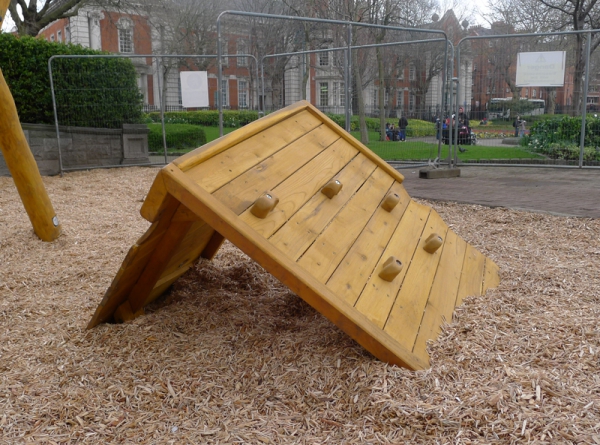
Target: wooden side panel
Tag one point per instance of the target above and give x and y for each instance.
(440, 305)
(378, 296)
(133, 265)
(330, 247)
(471, 280)
(349, 279)
(240, 193)
(491, 277)
(407, 312)
(296, 190)
(227, 165)
(300, 231)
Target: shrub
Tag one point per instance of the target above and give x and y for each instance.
(559, 137)
(178, 136)
(89, 92)
(207, 118)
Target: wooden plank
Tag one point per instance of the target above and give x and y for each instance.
(240, 193)
(442, 298)
(491, 276)
(349, 279)
(471, 279)
(300, 231)
(223, 220)
(190, 248)
(155, 201)
(330, 247)
(201, 154)
(227, 165)
(213, 246)
(161, 256)
(133, 265)
(296, 190)
(378, 296)
(407, 311)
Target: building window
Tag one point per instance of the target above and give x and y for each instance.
(67, 34)
(534, 93)
(339, 94)
(324, 94)
(242, 48)
(94, 31)
(224, 92)
(125, 27)
(242, 94)
(52, 38)
(400, 99)
(225, 51)
(59, 36)
(179, 91)
(411, 72)
(411, 101)
(324, 58)
(540, 94)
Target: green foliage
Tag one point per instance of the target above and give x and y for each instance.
(559, 137)
(207, 118)
(416, 127)
(94, 92)
(178, 136)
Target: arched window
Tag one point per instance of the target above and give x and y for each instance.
(125, 27)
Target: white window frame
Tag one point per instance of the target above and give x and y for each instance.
(324, 58)
(412, 72)
(242, 93)
(324, 94)
(225, 92)
(412, 99)
(125, 36)
(52, 38)
(225, 50)
(242, 48)
(59, 36)
(400, 98)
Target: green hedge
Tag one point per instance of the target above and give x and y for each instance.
(559, 137)
(95, 92)
(416, 127)
(207, 118)
(183, 137)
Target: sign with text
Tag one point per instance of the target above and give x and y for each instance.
(194, 89)
(543, 69)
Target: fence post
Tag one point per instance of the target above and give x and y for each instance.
(584, 98)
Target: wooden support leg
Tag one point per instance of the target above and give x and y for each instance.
(23, 168)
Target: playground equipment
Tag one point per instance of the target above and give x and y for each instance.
(320, 212)
(22, 165)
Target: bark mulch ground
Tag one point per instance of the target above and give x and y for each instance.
(229, 355)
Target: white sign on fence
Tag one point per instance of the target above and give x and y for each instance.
(543, 69)
(194, 89)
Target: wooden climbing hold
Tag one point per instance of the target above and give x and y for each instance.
(332, 188)
(263, 205)
(390, 201)
(433, 243)
(391, 267)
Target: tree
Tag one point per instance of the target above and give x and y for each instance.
(31, 16)
(556, 15)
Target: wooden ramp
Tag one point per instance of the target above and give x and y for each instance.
(320, 212)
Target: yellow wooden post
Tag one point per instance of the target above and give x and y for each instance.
(22, 165)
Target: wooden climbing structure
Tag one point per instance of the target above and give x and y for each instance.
(320, 212)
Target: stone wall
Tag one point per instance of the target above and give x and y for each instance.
(84, 147)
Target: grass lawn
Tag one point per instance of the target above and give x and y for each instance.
(419, 150)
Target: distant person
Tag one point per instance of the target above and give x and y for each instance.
(517, 125)
(402, 124)
(522, 128)
(462, 117)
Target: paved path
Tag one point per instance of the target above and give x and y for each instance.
(560, 191)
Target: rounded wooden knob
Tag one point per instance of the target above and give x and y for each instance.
(332, 188)
(390, 201)
(433, 243)
(263, 205)
(390, 268)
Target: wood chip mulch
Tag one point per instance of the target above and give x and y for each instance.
(229, 355)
